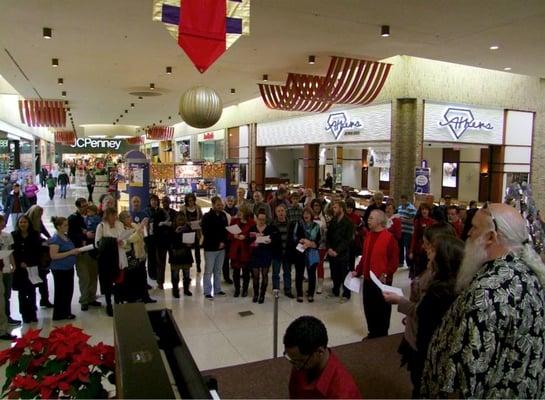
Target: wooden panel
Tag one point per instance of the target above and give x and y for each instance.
(484, 176)
(311, 155)
(260, 167)
(364, 170)
(233, 143)
(496, 165)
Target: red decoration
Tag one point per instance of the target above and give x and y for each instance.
(47, 113)
(136, 140)
(348, 81)
(202, 31)
(160, 133)
(65, 137)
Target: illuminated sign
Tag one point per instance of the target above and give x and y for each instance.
(208, 136)
(339, 123)
(97, 143)
(459, 120)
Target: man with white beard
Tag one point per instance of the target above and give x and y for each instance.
(491, 343)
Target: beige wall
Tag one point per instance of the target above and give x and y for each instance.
(434, 157)
(468, 171)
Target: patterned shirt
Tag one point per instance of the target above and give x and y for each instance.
(294, 213)
(409, 211)
(492, 340)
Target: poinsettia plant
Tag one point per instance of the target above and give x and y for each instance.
(61, 365)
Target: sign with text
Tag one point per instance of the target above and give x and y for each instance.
(464, 124)
(340, 123)
(95, 146)
(211, 136)
(422, 180)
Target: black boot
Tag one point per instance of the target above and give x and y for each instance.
(187, 292)
(176, 292)
(255, 284)
(245, 284)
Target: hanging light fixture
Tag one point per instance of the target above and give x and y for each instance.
(126, 111)
(311, 59)
(233, 90)
(47, 33)
(265, 77)
(152, 86)
(63, 93)
(60, 81)
(132, 105)
(55, 62)
(140, 97)
(385, 30)
(169, 70)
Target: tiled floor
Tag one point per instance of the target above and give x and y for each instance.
(216, 334)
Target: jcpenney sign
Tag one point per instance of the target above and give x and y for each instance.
(97, 143)
(95, 146)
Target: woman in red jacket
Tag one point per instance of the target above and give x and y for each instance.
(422, 221)
(394, 223)
(239, 249)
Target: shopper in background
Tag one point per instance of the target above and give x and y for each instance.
(280, 197)
(51, 184)
(35, 214)
(340, 233)
(90, 182)
(92, 219)
(31, 190)
(230, 207)
(319, 218)
(180, 257)
(328, 184)
(251, 189)
(418, 255)
(394, 222)
(293, 209)
(8, 264)
(307, 198)
(64, 181)
(306, 236)
(239, 250)
(193, 215)
(376, 203)
(407, 213)
(282, 250)
(259, 204)
(86, 263)
(16, 205)
(26, 253)
(43, 176)
(317, 373)
(453, 215)
(63, 258)
(241, 198)
(213, 225)
(261, 255)
(473, 208)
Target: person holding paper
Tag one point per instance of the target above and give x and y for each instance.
(26, 253)
(180, 257)
(260, 242)
(63, 258)
(157, 216)
(193, 214)
(239, 250)
(381, 256)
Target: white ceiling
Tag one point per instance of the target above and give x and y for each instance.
(108, 48)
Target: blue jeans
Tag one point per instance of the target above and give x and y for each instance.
(63, 191)
(405, 249)
(213, 262)
(286, 266)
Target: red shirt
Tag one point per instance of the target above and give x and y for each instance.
(380, 255)
(458, 228)
(335, 382)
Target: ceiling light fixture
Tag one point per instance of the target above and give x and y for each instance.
(507, 69)
(60, 81)
(55, 62)
(169, 117)
(65, 102)
(169, 70)
(113, 123)
(494, 47)
(152, 86)
(48, 33)
(265, 77)
(385, 30)
(160, 121)
(63, 93)
(311, 59)
(140, 97)
(132, 105)
(233, 90)
(126, 111)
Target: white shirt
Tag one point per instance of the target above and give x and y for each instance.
(6, 241)
(105, 230)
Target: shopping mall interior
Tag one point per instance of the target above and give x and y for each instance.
(441, 103)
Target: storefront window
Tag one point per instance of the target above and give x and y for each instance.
(385, 175)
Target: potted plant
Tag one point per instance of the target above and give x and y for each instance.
(62, 365)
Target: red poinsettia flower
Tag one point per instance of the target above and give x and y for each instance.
(25, 382)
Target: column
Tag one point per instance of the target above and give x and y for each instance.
(259, 167)
(311, 159)
(406, 145)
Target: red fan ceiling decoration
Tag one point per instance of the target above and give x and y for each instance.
(348, 81)
(160, 133)
(65, 137)
(136, 140)
(46, 113)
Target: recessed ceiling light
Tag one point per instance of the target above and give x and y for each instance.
(311, 59)
(169, 70)
(120, 115)
(169, 117)
(494, 47)
(113, 123)
(152, 86)
(55, 62)
(385, 30)
(63, 93)
(65, 102)
(507, 69)
(160, 121)
(126, 111)
(265, 77)
(60, 81)
(132, 105)
(233, 90)
(140, 97)
(47, 32)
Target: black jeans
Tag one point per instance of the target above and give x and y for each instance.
(245, 272)
(198, 255)
(377, 311)
(7, 280)
(299, 276)
(43, 287)
(405, 249)
(161, 263)
(175, 277)
(27, 302)
(64, 290)
(339, 270)
(51, 192)
(90, 189)
(151, 249)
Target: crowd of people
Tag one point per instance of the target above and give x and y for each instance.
(474, 318)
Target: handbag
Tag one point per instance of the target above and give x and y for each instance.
(313, 256)
(132, 261)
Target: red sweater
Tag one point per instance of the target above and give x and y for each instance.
(420, 225)
(395, 228)
(458, 228)
(380, 255)
(239, 250)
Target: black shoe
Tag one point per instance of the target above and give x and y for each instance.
(209, 297)
(46, 304)
(228, 281)
(261, 300)
(289, 294)
(176, 293)
(13, 322)
(95, 304)
(148, 300)
(8, 336)
(299, 299)
(85, 307)
(187, 292)
(254, 299)
(110, 310)
(311, 299)
(244, 293)
(221, 293)
(160, 286)
(71, 316)
(237, 292)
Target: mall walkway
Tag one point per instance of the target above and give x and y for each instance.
(215, 331)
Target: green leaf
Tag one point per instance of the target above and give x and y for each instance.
(24, 361)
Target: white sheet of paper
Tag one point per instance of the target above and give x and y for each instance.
(127, 233)
(188, 237)
(352, 283)
(300, 247)
(89, 247)
(234, 229)
(385, 288)
(262, 239)
(195, 225)
(5, 254)
(33, 275)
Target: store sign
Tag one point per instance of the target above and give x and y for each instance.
(211, 136)
(208, 136)
(340, 123)
(459, 120)
(106, 144)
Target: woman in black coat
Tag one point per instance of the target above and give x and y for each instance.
(180, 257)
(26, 253)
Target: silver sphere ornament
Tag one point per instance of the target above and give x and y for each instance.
(201, 107)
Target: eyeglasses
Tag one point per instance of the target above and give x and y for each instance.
(486, 208)
(296, 362)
